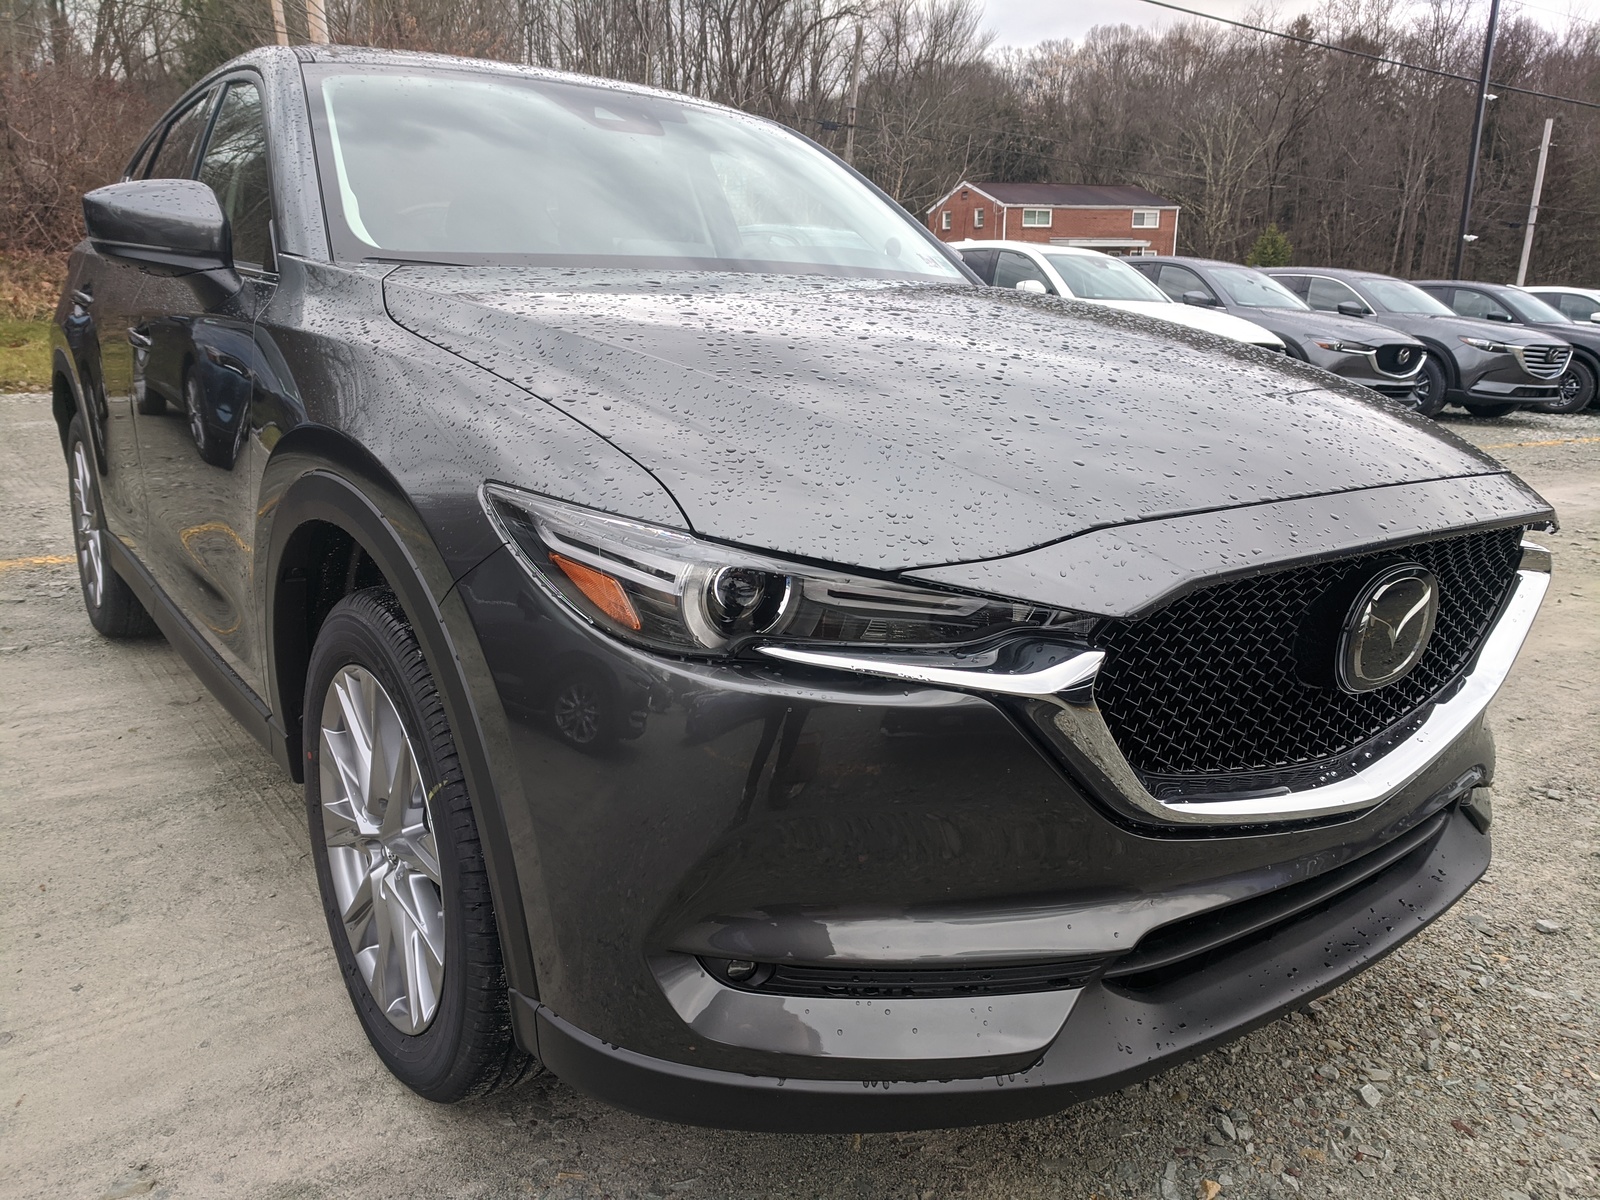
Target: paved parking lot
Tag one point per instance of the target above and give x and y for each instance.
(171, 1023)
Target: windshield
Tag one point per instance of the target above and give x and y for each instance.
(1252, 289)
(1532, 309)
(1396, 295)
(465, 166)
(1101, 277)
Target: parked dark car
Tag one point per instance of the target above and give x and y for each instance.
(738, 661)
(1501, 304)
(1487, 369)
(1382, 359)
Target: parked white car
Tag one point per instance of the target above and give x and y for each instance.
(1088, 275)
(1574, 303)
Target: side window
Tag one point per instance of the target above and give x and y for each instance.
(1328, 294)
(1476, 304)
(1175, 281)
(1579, 308)
(235, 165)
(1298, 284)
(1013, 268)
(175, 157)
(981, 262)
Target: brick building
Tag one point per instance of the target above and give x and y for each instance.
(1117, 220)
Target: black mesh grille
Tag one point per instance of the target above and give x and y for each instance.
(1397, 358)
(1209, 686)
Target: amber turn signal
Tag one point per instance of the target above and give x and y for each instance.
(604, 592)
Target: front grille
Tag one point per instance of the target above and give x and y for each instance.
(1544, 360)
(1209, 685)
(904, 983)
(1395, 358)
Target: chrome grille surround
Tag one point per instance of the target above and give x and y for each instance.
(1543, 360)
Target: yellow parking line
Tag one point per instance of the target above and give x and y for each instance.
(38, 560)
(1527, 445)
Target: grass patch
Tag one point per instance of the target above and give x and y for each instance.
(24, 356)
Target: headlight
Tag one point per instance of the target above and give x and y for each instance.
(1486, 345)
(1343, 347)
(668, 590)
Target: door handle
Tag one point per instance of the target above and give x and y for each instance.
(139, 339)
(82, 296)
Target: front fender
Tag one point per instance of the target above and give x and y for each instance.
(305, 485)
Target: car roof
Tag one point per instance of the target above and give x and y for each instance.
(1026, 247)
(1331, 272)
(1488, 287)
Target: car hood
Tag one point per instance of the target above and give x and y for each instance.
(1209, 320)
(1425, 325)
(1579, 334)
(1291, 322)
(890, 425)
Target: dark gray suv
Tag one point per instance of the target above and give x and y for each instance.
(1366, 353)
(1488, 369)
(734, 659)
(1502, 304)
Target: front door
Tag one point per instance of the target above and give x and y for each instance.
(199, 458)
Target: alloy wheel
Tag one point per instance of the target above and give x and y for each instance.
(382, 853)
(86, 527)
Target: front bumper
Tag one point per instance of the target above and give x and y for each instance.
(796, 813)
(1118, 1031)
(1506, 380)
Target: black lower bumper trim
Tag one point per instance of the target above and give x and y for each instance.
(1115, 1036)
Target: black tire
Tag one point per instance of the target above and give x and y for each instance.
(1429, 396)
(1577, 389)
(113, 609)
(1491, 410)
(468, 1048)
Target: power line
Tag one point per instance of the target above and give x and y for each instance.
(1377, 58)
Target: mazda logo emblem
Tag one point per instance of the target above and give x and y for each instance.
(1405, 357)
(1387, 629)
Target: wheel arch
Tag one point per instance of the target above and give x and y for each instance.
(334, 520)
(1447, 360)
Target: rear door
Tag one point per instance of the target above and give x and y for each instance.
(197, 457)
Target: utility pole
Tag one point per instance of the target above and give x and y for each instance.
(855, 94)
(1477, 139)
(279, 25)
(317, 21)
(1533, 208)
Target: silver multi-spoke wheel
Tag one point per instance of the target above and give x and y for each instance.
(382, 853)
(86, 527)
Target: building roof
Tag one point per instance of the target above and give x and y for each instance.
(1065, 195)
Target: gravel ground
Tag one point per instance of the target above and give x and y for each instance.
(171, 1023)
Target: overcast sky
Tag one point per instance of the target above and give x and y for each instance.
(1023, 22)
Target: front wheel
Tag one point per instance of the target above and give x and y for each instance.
(1577, 389)
(399, 859)
(1428, 396)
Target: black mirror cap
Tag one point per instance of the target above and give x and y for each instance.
(1503, 318)
(1200, 299)
(175, 223)
(1353, 308)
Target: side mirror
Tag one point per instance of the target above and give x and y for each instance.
(1352, 308)
(174, 223)
(1595, 317)
(1200, 299)
(1503, 318)
(1033, 287)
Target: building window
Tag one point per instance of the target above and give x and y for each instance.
(977, 219)
(1147, 218)
(1036, 218)
(944, 219)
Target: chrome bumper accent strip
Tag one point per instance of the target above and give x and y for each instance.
(1046, 684)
